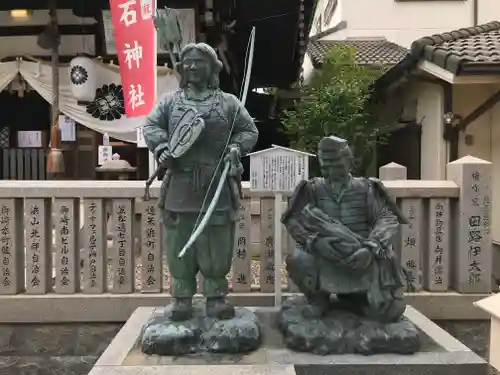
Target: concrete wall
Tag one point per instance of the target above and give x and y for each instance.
(482, 137)
(404, 22)
(422, 102)
(430, 109)
(479, 140)
(307, 69)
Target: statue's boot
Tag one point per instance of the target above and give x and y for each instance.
(182, 309)
(319, 305)
(219, 308)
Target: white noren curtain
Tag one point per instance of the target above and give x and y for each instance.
(39, 77)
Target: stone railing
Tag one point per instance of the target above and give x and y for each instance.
(55, 248)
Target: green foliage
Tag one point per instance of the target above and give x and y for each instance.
(338, 102)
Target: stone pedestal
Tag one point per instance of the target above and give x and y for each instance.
(491, 305)
(440, 354)
(471, 243)
(342, 332)
(201, 334)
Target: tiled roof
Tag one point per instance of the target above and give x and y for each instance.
(368, 52)
(464, 51)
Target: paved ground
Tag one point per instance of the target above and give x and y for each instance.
(64, 349)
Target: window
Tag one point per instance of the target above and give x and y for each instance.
(330, 9)
(319, 24)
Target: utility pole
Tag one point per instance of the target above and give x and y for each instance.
(55, 160)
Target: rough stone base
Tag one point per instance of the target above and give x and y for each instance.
(342, 332)
(200, 334)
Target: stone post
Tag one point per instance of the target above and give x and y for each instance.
(123, 245)
(66, 214)
(38, 236)
(411, 242)
(436, 265)
(12, 279)
(392, 171)
(95, 249)
(267, 245)
(407, 241)
(471, 240)
(150, 233)
(242, 260)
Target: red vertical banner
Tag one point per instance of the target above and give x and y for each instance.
(135, 38)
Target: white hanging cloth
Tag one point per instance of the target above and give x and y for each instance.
(104, 114)
(8, 71)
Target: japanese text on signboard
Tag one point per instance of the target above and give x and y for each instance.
(438, 268)
(135, 42)
(478, 228)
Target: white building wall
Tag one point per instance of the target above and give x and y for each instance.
(405, 22)
(482, 137)
(307, 69)
(434, 154)
(489, 10)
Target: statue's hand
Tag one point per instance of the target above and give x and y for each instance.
(360, 260)
(157, 22)
(164, 156)
(324, 245)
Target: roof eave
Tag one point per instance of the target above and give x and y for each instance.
(332, 30)
(397, 72)
(479, 68)
(424, 49)
(319, 64)
(316, 63)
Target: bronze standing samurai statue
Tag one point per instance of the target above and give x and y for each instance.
(223, 132)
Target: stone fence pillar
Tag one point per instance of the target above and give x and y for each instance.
(471, 250)
(410, 260)
(392, 171)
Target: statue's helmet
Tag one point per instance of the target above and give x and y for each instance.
(335, 147)
(335, 157)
